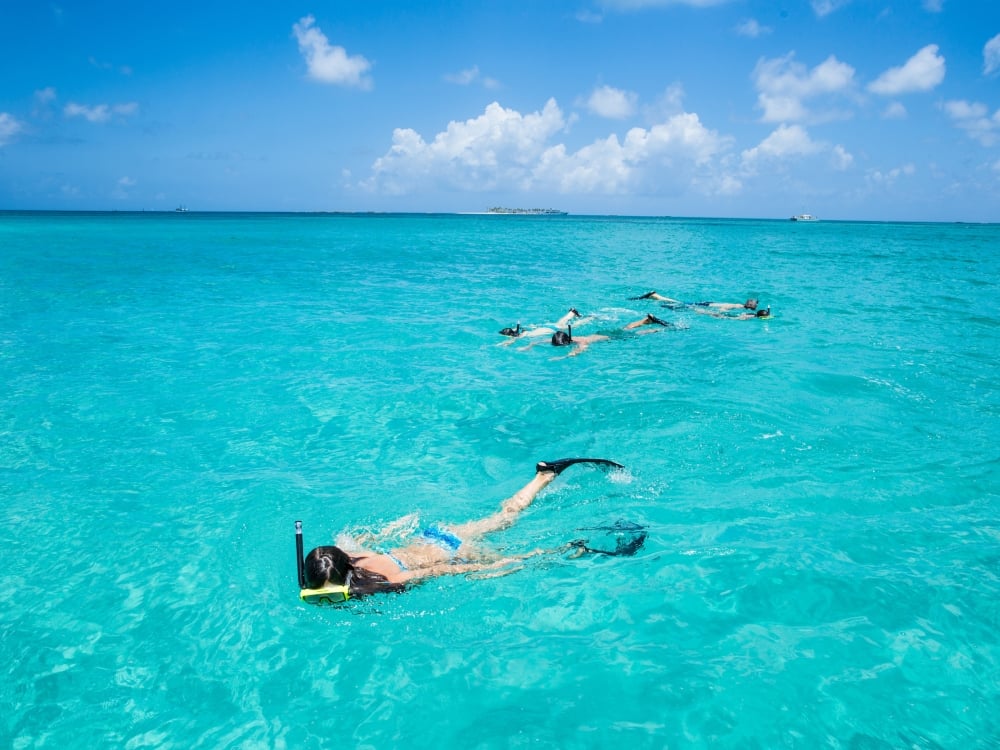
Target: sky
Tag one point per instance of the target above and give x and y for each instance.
(885, 110)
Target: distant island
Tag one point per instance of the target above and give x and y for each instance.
(526, 211)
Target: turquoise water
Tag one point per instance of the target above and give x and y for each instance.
(821, 489)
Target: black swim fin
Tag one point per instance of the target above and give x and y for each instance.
(561, 464)
(619, 526)
(623, 547)
(647, 295)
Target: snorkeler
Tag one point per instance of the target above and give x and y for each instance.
(582, 343)
(760, 314)
(750, 304)
(519, 332)
(436, 550)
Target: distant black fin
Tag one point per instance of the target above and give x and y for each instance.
(561, 464)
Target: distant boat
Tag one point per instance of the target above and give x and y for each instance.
(181, 209)
(804, 217)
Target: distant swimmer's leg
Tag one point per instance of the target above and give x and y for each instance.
(568, 318)
(647, 295)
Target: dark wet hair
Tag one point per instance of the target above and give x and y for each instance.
(332, 566)
(515, 332)
(563, 339)
(751, 304)
(764, 313)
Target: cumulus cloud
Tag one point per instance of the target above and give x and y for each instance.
(922, 72)
(991, 56)
(504, 149)
(787, 141)
(329, 63)
(752, 29)
(783, 86)
(9, 127)
(790, 142)
(612, 103)
(100, 112)
(492, 149)
(974, 118)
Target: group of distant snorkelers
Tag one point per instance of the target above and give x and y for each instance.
(581, 343)
(715, 309)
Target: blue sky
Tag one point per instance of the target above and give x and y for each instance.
(848, 109)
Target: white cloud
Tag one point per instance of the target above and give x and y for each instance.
(45, 96)
(329, 63)
(470, 76)
(752, 29)
(783, 85)
(465, 77)
(991, 56)
(612, 103)
(667, 104)
(922, 72)
(9, 127)
(785, 142)
(505, 149)
(886, 179)
(100, 112)
(841, 159)
(677, 152)
(495, 148)
(825, 7)
(895, 111)
(974, 119)
(126, 182)
(933, 6)
(97, 113)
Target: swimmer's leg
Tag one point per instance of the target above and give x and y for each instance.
(510, 508)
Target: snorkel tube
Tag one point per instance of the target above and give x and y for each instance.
(299, 561)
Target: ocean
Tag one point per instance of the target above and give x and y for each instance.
(820, 489)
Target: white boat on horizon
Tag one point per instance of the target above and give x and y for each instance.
(804, 217)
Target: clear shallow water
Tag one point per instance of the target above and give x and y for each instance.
(821, 489)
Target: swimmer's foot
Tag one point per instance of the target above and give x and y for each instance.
(647, 295)
(577, 548)
(575, 311)
(559, 465)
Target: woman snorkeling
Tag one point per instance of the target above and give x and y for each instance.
(330, 573)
